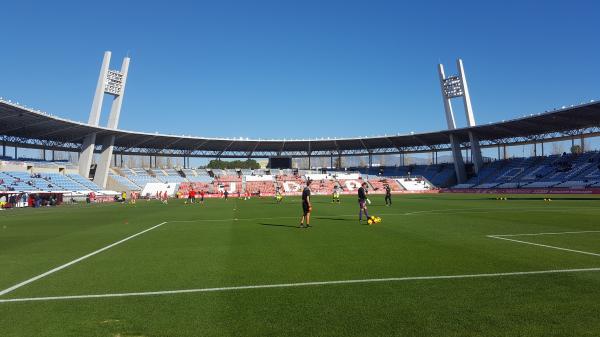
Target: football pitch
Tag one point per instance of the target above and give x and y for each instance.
(437, 265)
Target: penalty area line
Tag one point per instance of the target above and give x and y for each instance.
(547, 233)
(301, 284)
(541, 245)
(68, 264)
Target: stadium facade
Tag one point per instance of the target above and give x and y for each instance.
(22, 127)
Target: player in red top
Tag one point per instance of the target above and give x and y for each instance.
(191, 196)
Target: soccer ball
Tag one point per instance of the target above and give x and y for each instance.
(373, 220)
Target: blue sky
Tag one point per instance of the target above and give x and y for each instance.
(297, 69)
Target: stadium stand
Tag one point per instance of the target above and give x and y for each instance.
(10, 181)
(169, 176)
(35, 182)
(557, 171)
(66, 183)
(324, 186)
(289, 183)
(198, 175)
(264, 187)
(415, 184)
(567, 171)
(185, 188)
(139, 176)
(52, 182)
(350, 185)
(378, 185)
(126, 183)
(441, 175)
(85, 182)
(231, 183)
(229, 178)
(444, 176)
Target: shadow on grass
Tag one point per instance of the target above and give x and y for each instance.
(330, 218)
(278, 225)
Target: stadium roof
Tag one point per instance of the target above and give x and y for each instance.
(26, 127)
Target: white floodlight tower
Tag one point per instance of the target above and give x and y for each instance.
(452, 87)
(89, 142)
(116, 87)
(110, 82)
(475, 149)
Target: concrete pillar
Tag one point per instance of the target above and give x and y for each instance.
(88, 145)
(477, 158)
(459, 165)
(101, 176)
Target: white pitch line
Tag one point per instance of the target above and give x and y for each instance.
(301, 284)
(446, 211)
(549, 233)
(541, 245)
(33, 279)
(496, 209)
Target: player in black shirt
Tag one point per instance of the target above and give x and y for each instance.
(306, 206)
(362, 201)
(388, 195)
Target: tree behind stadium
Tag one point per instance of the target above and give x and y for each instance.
(241, 164)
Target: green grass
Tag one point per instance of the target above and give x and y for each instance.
(256, 242)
